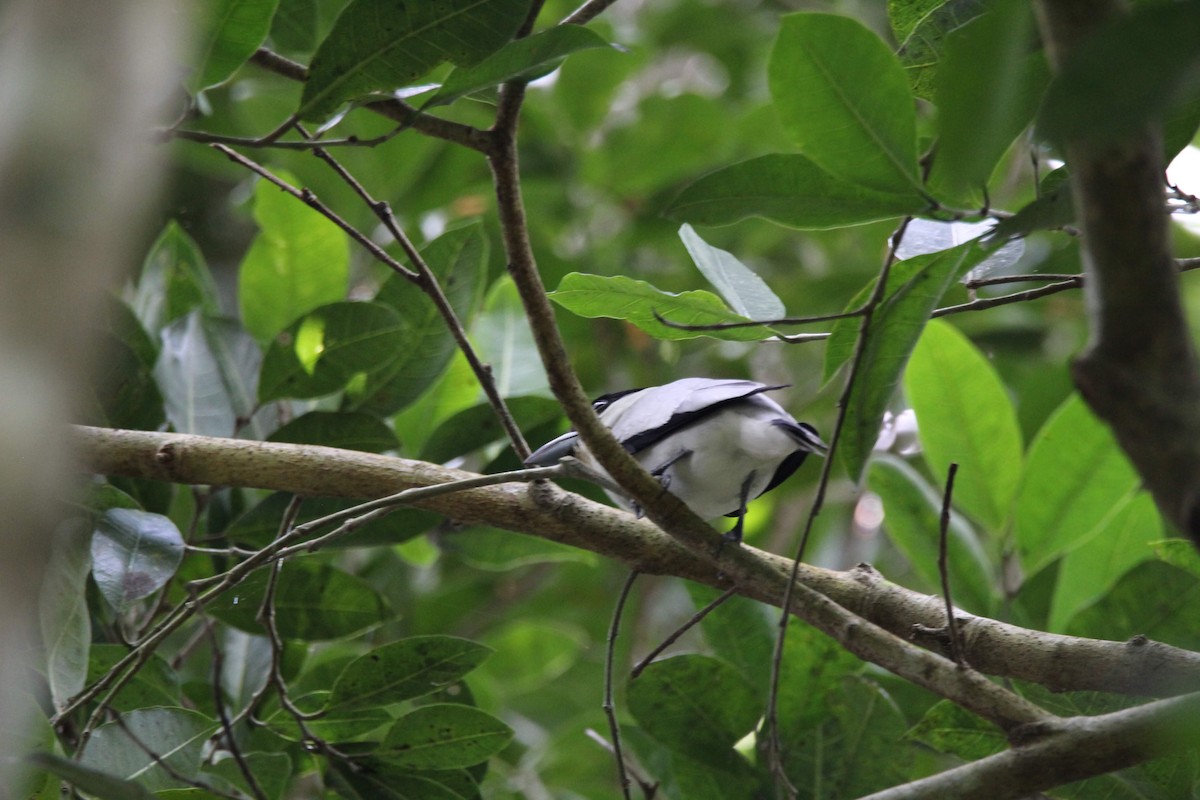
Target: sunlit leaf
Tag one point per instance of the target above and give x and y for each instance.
(966, 417)
(299, 261)
(502, 338)
(134, 553)
(1075, 478)
(843, 98)
(637, 302)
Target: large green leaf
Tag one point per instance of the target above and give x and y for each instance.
(313, 602)
(502, 338)
(174, 281)
(376, 779)
(1153, 599)
(154, 684)
(403, 670)
(350, 430)
(740, 633)
(913, 289)
(458, 259)
(1075, 479)
(328, 349)
(921, 28)
(843, 98)
(294, 28)
(965, 417)
(134, 553)
(1130, 73)
(175, 736)
(66, 626)
(745, 292)
(789, 189)
(444, 736)
(298, 261)
(527, 58)
(949, 728)
(695, 705)
(478, 426)
(637, 302)
(230, 32)
(98, 782)
(912, 511)
(1091, 570)
(207, 370)
(988, 87)
(382, 45)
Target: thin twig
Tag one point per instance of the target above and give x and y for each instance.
(649, 788)
(170, 770)
(682, 629)
(951, 622)
(610, 708)
(428, 283)
(774, 745)
(223, 713)
(587, 12)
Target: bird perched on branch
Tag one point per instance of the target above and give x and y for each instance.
(714, 444)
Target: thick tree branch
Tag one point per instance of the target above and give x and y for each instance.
(1061, 663)
(1139, 372)
(1072, 750)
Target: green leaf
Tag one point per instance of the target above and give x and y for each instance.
(344, 725)
(403, 670)
(950, 729)
(260, 524)
(739, 633)
(134, 554)
(381, 45)
(921, 28)
(299, 261)
(913, 289)
(870, 726)
(230, 33)
(294, 28)
(174, 281)
(94, 781)
(458, 259)
(350, 430)
(843, 98)
(127, 396)
(154, 684)
(1179, 553)
(1153, 599)
(444, 736)
(176, 736)
(379, 780)
(988, 88)
(790, 190)
(742, 289)
(271, 771)
(912, 520)
(502, 551)
(695, 705)
(1093, 568)
(634, 301)
(530, 654)
(1075, 479)
(502, 338)
(66, 627)
(965, 416)
(1124, 76)
(478, 426)
(206, 371)
(523, 59)
(313, 602)
(330, 347)
(1052, 208)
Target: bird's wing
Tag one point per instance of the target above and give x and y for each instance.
(642, 419)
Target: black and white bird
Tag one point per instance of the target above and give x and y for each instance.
(714, 444)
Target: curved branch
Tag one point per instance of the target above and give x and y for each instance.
(1061, 663)
(1071, 750)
